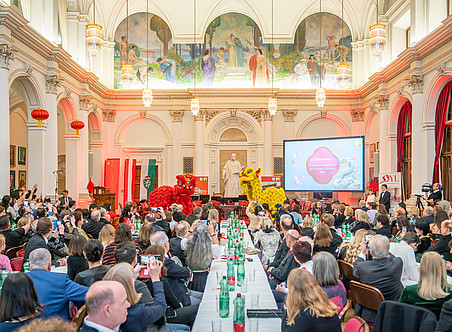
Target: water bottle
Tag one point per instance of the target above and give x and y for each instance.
(27, 266)
(343, 230)
(347, 236)
(239, 314)
(224, 298)
(236, 252)
(231, 274)
(240, 272)
(3, 275)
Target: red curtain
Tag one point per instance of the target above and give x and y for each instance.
(126, 181)
(404, 113)
(440, 125)
(112, 177)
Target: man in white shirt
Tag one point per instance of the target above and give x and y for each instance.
(106, 305)
(405, 250)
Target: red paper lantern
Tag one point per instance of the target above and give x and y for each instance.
(77, 125)
(40, 114)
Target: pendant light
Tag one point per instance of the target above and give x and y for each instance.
(320, 95)
(343, 70)
(272, 102)
(93, 36)
(194, 103)
(147, 91)
(377, 37)
(127, 69)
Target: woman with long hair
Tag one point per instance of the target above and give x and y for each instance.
(432, 290)
(362, 222)
(435, 228)
(107, 235)
(92, 251)
(122, 234)
(348, 213)
(323, 239)
(350, 252)
(308, 227)
(403, 225)
(74, 226)
(381, 210)
(296, 214)
(371, 197)
(18, 302)
(267, 238)
(307, 306)
(144, 236)
(76, 262)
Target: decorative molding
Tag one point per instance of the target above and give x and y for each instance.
(441, 69)
(85, 102)
(233, 112)
(382, 101)
(67, 92)
(266, 114)
(108, 115)
(374, 108)
(323, 113)
(416, 83)
(289, 115)
(7, 54)
(143, 112)
(210, 115)
(256, 114)
(28, 69)
(400, 91)
(52, 83)
(200, 116)
(357, 115)
(176, 116)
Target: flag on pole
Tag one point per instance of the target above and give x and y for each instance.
(147, 177)
(129, 179)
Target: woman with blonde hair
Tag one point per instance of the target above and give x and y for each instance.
(323, 239)
(350, 252)
(107, 235)
(308, 227)
(144, 236)
(348, 215)
(214, 218)
(307, 306)
(362, 222)
(432, 290)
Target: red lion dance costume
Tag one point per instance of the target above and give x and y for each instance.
(164, 196)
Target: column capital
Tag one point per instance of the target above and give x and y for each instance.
(357, 115)
(266, 116)
(85, 102)
(200, 116)
(382, 101)
(177, 115)
(53, 82)
(289, 115)
(416, 83)
(35, 127)
(233, 112)
(7, 54)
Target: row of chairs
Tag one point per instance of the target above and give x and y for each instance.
(16, 257)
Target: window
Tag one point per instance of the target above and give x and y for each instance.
(446, 156)
(278, 165)
(188, 165)
(406, 158)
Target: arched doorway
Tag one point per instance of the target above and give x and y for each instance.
(404, 129)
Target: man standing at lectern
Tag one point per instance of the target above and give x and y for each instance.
(231, 177)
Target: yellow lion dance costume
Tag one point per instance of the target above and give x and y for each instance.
(252, 187)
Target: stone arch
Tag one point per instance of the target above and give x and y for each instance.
(395, 108)
(119, 135)
(68, 108)
(331, 117)
(27, 88)
(225, 121)
(95, 127)
(434, 89)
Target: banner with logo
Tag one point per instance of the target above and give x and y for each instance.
(394, 183)
(147, 177)
(271, 181)
(202, 183)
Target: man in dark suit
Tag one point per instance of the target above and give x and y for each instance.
(384, 272)
(54, 289)
(195, 215)
(65, 199)
(106, 305)
(175, 243)
(429, 215)
(385, 197)
(442, 246)
(445, 318)
(94, 226)
(13, 238)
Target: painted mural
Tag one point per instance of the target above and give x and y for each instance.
(232, 54)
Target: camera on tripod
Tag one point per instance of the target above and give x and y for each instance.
(427, 188)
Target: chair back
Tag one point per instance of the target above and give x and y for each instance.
(21, 253)
(347, 270)
(79, 317)
(367, 296)
(115, 222)
(12, 252)
(356, 324)
(345, 309)
(16, 264)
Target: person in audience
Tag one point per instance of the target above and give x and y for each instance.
(326, 271)
(405, 249)
(26, 219)
(435, 227)
(308, 227)
(48, 324)
(403, 225)
(348, 213)
(106, 306)
(362, 222)
(284, 210)
(177, 212)
(195, 215)
(267, 238)
(372, 212)
(397, 213)
(328, 219)
(214, 217)
(93, 253)
(277, 275)
(7, 203)
(163, 222)
(323, 239)
(14, 238)
(433, 289)
(385, 197)
(413, 213)
(361, 207)
(442, 246)
(429, 215)
(383, 226)
(41, 239)
(351, 251)
(4, 260)
(298, 219)
(175, 242)
(422, 230)
(179, 314)
(307, 306)
(281, 252)
(205, 212)
(76, 262)
(54, 289)
(104, 216)
(139, 315)
(19, 303)
(107, 235)
(122, 234)
(144, 236)
(112, 214)
(445, 318)
(384, 272)
(382, 210)
(74, 225)
(94, 226)
(340, 218)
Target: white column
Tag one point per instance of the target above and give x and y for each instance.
(36, 156)
(51, 142)
(85, 105)
(268, 144)
(72, 169)
(360, 64)
(6, 54)
(44, 18)
(98, 162)
(199, 144)
(386, 55)
(429, 136)
(177, 141)
(367, 61)
(392, 145)
(289, 117)
(355, 65)
(385, 151)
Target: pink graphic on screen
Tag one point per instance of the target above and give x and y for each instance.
(322, 165)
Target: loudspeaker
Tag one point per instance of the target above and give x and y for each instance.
(376, 163)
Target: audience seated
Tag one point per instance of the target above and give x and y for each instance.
(372, 212)
(361, 223)
(267, 238)
(175, 247)
(328, 219)
(195, 215)
(308, 227)
(93, 253)
(163, 222)
(340, 218)
(445, 318)
(144, 236)
(422, 230)
(49, 324)
(435, 227)
(177, 212)
(351, 251)
(94, 225)
(122, 234)
(405, 250)
(383, 226)
(74, 226)
(4, 260)
(107, 235)
(13, 238)
(323, 239)
(442, 246)
(397, 213)
(384, 272)
(429, 215)
(18, 302)
(298, 219)
(76, 262)
(307, 306)
(403, 225)
(281, 252)
(55, 290)
(348, 213)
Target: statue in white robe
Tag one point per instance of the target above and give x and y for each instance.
(231, 177)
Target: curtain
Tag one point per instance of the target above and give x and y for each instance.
(442, 107)
(404, 113)
(111, 178)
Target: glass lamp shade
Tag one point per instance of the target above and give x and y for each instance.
(93, 38)
(126, 74)
(343, 74)
(194, 106)
(147, 97)
(377, 38)
(320, 97)
(272, 106)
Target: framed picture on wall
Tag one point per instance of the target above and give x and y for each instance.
(12, 155)
(371, 152)
(22, 155)
(22, 179)
(12, 179)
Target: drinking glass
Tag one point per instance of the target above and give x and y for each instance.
(219, 275)
(254, 301)
(244, 287)
(216, 325)
(217, 302)
(252, 275)
(253, 324)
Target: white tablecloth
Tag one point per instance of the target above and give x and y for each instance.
(208, 307)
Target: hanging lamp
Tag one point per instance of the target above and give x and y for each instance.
(343, 70)
(127, 69)
(93, 35)
(148, 96)
(320, 95)
(194, 103)
(377, 37)
(272, 102)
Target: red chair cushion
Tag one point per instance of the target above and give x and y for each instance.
(16, 264)
(354, 325)
(21, 254)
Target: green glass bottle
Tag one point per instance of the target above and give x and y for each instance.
(27, 266)
(224, 298)
(240, 272)
(231, 274)
(239, 314)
